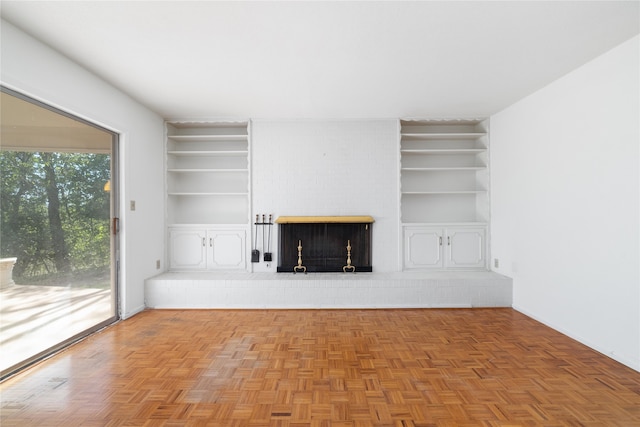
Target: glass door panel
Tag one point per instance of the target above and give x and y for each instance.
(57, 246)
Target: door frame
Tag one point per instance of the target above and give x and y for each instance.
(114, 240)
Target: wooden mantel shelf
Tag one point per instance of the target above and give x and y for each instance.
(362, 219)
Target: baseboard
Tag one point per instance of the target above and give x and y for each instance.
(133, 312)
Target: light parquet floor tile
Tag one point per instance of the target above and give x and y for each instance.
(316, 368)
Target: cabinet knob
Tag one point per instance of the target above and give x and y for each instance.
(203, 242)
(211, 242)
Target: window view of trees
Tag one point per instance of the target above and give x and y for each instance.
(54, 215)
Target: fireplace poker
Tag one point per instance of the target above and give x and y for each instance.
(263, 224)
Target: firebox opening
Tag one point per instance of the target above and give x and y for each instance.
(324, 244)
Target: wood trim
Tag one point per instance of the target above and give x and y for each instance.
(362, 219)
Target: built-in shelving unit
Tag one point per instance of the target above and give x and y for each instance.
(207, 173)
(444, 171)
(207, 183)
(444, 180)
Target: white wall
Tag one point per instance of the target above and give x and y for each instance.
(30, 67)
(565, 203)
(324, 167)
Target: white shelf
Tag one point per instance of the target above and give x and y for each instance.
(448, 223)
(427, 135)
(202, 170)
(208, 152)
(207, 224)
(443, 150)
(206, 194)
(461, 168)
(444, 192)
(207, 137)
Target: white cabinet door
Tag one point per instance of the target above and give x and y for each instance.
(187, 249)
(432, 247)
(226, 249)
(423, 248)
(466, 247)
(207, 249)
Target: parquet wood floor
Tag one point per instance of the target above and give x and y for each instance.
(356, 368)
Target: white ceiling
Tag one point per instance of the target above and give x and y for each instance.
(213, 59)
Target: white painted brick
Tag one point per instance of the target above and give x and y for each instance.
(329, 168)
(370, 290)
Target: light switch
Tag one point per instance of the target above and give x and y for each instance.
(132, 205)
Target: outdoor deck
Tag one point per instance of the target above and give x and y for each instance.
(34, 318)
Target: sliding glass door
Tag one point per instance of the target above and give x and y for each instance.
(58, 233)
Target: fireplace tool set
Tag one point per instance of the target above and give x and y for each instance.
(255, 253)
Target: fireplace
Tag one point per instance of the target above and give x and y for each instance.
(321, 244)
